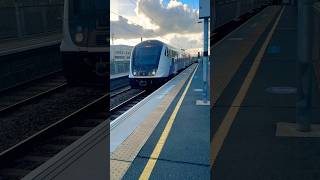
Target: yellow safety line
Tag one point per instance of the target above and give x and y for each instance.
(225, 126)
(157, 150)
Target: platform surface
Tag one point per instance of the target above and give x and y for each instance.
(16, 45)
(119, 75)
(251, 148)
(86, 158)
(185, 152)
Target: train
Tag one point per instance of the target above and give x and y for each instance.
(225, 11)
(153, 62)
(84, 46)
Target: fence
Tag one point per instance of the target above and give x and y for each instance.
(117, 67)
(21, 18)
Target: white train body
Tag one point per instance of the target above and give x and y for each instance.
(153, 62)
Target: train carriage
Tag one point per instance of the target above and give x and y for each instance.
(85, 43)
(153, 62)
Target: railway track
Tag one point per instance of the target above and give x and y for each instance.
(15, 97)
(21, 159)
(126, 105)
(25, 156)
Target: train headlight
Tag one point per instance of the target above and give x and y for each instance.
(79, 37)
(154, 72)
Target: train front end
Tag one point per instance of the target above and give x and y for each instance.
(84, 47)
(149, 68)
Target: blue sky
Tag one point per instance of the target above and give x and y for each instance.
(192, 3)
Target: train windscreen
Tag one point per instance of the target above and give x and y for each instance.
(88, 7)
(89, 20)
(101, 5)
(79, 8)
(146, 56)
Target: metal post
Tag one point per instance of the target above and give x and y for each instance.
(304, 66)
(44, 11)
(18, 18)
(205, 60)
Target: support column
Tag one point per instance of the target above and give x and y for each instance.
(304, 66)
(205, 60)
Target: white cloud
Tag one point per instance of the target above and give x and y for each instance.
(187, 41)
(174, 23)
(124, 29)
(176, 17)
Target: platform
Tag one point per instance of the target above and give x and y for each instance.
(16, 45)
(82, 160)
(119, 75)
(166, 136)
(257, 99)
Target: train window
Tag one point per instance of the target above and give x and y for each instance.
(146, 56)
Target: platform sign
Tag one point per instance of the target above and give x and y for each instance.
(204, 9)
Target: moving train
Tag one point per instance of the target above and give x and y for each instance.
(84, 47)
(228, 10)
(153, 62)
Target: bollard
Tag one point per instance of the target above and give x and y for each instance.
(304, 66)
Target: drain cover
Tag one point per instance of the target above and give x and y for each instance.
(282, 90)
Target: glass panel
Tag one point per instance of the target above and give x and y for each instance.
(146, 55)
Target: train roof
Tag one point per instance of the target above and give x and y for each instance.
(160, 43)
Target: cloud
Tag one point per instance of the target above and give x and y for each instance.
(176, 17)
(124, 29)
(174, 23)
(186, 41)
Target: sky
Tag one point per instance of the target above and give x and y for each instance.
(171, 21)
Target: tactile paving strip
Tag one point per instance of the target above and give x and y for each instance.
(118, 168)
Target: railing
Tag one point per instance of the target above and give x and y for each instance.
(117, 67)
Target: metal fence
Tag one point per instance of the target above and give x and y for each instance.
(21, 18)
(117, 67)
